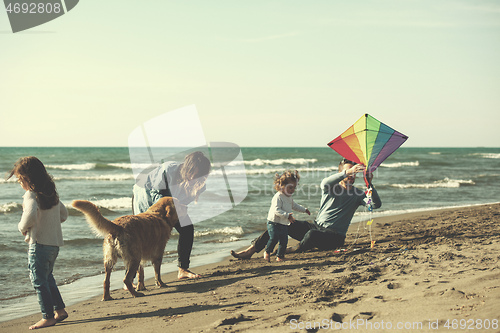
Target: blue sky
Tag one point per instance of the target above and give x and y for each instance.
(261, 73)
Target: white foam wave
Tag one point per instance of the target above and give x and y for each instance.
(488, 155)
(444, 183)
(399, 164)
(303, 170)
(91, 166)
(110, 177)
(10, 207)
(279, 161)
(267, 171)
(139, 166)
(221, 231)
(135, 166)
(256, 162)
(121, 165)
(85, 166)
(227, 239)
(114, 204)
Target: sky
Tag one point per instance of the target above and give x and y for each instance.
(260, 73)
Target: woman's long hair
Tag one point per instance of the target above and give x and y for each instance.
(31, 172)
(193, 173)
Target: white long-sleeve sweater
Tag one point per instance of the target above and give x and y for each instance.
(281, 207)
(42, 226)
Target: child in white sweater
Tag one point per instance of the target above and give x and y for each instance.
(40, 224)
(280, 213)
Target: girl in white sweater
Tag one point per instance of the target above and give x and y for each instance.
(280, 213)
(40, 223)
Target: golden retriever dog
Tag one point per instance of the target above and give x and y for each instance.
(134, 238)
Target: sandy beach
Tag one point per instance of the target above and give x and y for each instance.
(429, 271)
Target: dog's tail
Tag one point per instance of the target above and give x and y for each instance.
(101, 225)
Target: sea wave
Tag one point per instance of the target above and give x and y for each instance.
(228, 231)
(270, 170)
(11, 207)
(108, 177)
(130, 166)
(303, 170)
(124, 165)
(444, 183)
(100, 166)
(399, 164)
(84, 166)
(224, 240)
(256, 162)
(488, 155)
(279, 161)
(107, 207)
(114, 204)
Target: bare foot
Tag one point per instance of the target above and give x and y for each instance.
(267, 257)
(236, 255)
(60, 315)
(245, 254)
(280, 259)
(187, 274)
(43, 323)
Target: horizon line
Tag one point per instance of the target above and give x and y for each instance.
(325, 146)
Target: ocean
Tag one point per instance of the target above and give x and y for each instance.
(411, 179)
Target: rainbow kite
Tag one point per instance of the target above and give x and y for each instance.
(368, 142)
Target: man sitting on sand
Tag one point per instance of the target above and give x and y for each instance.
(339, 201)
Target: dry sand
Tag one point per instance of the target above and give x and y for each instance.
(426, 270)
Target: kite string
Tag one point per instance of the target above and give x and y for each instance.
(369, 207)
(369, 210)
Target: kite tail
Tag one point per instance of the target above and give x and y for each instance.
(369, 206)
(366, 179)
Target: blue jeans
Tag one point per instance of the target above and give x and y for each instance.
(277, 233)
(310, 236)
(41, 259)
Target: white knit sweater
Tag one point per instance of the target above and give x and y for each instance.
(42, 226)
(281, 207)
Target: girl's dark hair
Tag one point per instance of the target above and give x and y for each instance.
(31, 171)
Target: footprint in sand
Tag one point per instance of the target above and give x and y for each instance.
(393, 285)
(291, 317)
(351, 300)
(233, 320)
(364, 316)
(337, 317)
